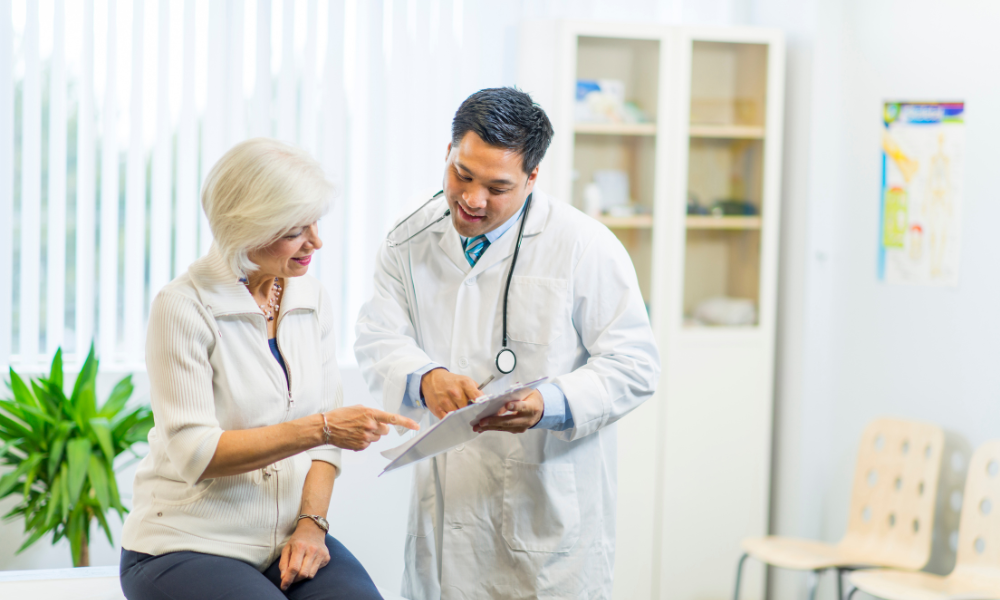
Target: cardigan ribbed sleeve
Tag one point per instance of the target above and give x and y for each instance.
(179, 341)
(333, 390)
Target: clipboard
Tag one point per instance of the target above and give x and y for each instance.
(453, 430)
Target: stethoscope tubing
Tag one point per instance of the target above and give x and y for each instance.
(510, 274)
(393, 244)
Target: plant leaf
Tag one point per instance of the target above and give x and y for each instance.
(53, 502)
(49, 402)
(36, 461)
(15, 428)
(58, 446)
(104, 525)
(9, 444)
(99, 482)
(56, 373)
(65, 498)
(102, 429)
(78, 453)
(37, 535)
(9, 481)
(116, 500)
(88, 374)
(22, 394)
(118, 398)
(85, 407)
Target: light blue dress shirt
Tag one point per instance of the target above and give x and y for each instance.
(556, 414)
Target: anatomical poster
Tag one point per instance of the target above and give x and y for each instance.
(923, 146)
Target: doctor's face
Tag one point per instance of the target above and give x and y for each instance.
(485, 185)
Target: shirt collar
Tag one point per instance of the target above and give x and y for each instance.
(494, 235)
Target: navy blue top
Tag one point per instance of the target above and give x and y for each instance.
(273, 343)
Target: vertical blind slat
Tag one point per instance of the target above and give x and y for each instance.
(308, 79)
(286, 87)
(214, 123)
(236, 111)
(187, 154)
(160, 204)
(333, 152)
(6, 175)
(365, 19)
(262, 85)
(55, 290)
(107, 293)
(135, 197)
(85, 166)
(31, 190)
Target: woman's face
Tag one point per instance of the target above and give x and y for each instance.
(288, 256)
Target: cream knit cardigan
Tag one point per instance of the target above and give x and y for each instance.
(211, 370)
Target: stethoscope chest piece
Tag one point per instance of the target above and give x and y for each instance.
(506, 361)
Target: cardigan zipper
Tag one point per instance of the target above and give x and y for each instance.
(288, 369)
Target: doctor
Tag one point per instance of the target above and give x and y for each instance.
(527, 510)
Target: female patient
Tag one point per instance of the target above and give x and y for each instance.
(231, 501)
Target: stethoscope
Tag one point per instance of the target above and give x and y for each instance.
(506, 359)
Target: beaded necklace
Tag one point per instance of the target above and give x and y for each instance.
(273, 296)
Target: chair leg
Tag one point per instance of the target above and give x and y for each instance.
(840, 584)
(739, 576)
(851, 593)
(813, 584)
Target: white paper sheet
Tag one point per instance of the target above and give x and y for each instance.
(453, 430)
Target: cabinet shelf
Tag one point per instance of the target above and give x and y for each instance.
(633, 222)
(615, 128)
(730, 132)
(708, 222)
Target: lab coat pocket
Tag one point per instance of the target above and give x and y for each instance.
(541, 511)
(538, 310)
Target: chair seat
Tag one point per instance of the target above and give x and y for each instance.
(903, 585)
(802, 555)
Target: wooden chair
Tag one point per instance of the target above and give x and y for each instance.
(892, 509)
(976, 575)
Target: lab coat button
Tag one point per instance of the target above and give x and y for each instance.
(470, 281)
(459, 447)
(463, 362)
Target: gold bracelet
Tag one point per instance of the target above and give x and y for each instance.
(326, 430)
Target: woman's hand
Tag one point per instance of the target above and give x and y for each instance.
(304, 554)
(355, 427)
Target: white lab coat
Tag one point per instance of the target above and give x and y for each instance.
(513, 516)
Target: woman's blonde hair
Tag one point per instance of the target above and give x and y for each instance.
(259, 191)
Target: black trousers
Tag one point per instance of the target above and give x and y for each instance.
(197, 576)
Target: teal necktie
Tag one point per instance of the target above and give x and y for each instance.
(474, 248)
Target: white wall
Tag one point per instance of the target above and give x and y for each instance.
(852, 348)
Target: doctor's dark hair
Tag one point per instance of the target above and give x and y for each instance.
(507, 118)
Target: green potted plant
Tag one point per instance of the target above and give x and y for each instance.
(62, 451)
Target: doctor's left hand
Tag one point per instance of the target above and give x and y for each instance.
(520, 416)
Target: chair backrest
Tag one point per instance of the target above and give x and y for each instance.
(979, 528)
(894, 494)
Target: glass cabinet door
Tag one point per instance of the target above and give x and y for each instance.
(614, 140)
(724, 209)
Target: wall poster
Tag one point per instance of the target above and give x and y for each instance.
(923, 145)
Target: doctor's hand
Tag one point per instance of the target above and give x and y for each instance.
(355, 427)
(518, 416)
(445, 392)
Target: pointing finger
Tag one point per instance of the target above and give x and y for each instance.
(391, 419)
